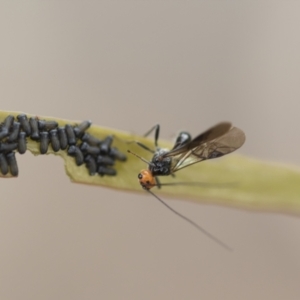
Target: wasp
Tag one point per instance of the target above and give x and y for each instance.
(215, 142)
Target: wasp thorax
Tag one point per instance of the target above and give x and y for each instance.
(160, 166)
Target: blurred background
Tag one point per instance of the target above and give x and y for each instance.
(129, 65)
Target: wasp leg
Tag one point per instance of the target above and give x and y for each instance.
(144, 147)
(158, 184)
(136, 142)
(141, 145)
(156, 134)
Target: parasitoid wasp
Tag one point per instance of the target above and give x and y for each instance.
(217, 141)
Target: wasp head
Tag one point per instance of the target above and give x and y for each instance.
(146, 179)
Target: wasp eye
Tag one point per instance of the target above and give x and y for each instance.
(140, 176)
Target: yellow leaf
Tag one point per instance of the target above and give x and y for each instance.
(234, 180)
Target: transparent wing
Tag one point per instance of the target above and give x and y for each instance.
(205, 137)
(199, 149)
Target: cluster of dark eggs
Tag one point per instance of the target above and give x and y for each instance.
(98, 155)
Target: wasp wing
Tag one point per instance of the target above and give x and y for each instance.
(209, 135)
(205, 137)
(208, 145)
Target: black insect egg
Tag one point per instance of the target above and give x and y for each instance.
(12, 162)
(13, 136)
(82, 127)
(24, 123)
(47, 125)
(5, 126)
(91, 164)
(106, 171)
(54, 140)
(90, 139)
(63, 139)
(85, 147)
(77, 153)
(34, 128)
(116, 154)
(70, 134)
(8, 122)
(44, 142)
(3, 164)
(4, 147)
(105, 160)
(105, 145)
(22, 146)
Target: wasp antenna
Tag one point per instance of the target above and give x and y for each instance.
(141, 158)
(192, 223)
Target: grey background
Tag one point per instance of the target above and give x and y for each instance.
(130, 65)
